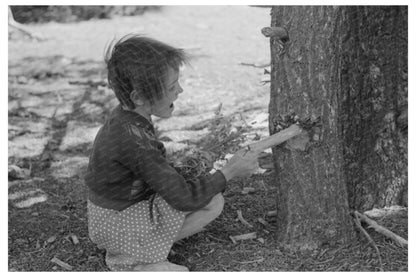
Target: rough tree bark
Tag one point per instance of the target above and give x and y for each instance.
(374, 105)
(326, 70)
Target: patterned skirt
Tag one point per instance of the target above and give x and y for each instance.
(143, 233)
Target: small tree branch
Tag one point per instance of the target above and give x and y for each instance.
(275, 32)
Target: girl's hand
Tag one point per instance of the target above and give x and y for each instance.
(242, 164)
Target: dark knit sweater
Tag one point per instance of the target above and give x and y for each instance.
(128, 164)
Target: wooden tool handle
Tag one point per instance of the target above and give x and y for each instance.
(275, 139)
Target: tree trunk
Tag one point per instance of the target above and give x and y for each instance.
(338, 65)
(312, 200)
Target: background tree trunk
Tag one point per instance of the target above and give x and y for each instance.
(347, 65)
(374, 105)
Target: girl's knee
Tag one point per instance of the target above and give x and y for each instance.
(216, 205)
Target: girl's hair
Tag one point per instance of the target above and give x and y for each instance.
(140, 63)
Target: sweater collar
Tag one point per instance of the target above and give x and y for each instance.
(133, 117)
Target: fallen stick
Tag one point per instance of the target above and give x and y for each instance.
(260, 260)
(262, 221)
(247, 190)
(247, 236)
(382, 230)
(74, 239)
(221, 240)
(242, 220)
(358, 223)
(272, 213)
(61, 263)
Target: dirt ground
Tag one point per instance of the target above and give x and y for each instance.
(58, 101)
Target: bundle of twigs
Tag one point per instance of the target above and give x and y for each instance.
(221, 139)
(196, 164)
(223, 136)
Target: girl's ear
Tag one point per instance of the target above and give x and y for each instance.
(136, 98)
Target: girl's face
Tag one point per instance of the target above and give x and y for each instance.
(164, 107)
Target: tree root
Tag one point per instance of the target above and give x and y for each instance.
(358, 223)
(382, 230)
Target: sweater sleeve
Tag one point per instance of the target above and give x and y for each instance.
(148, 162)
